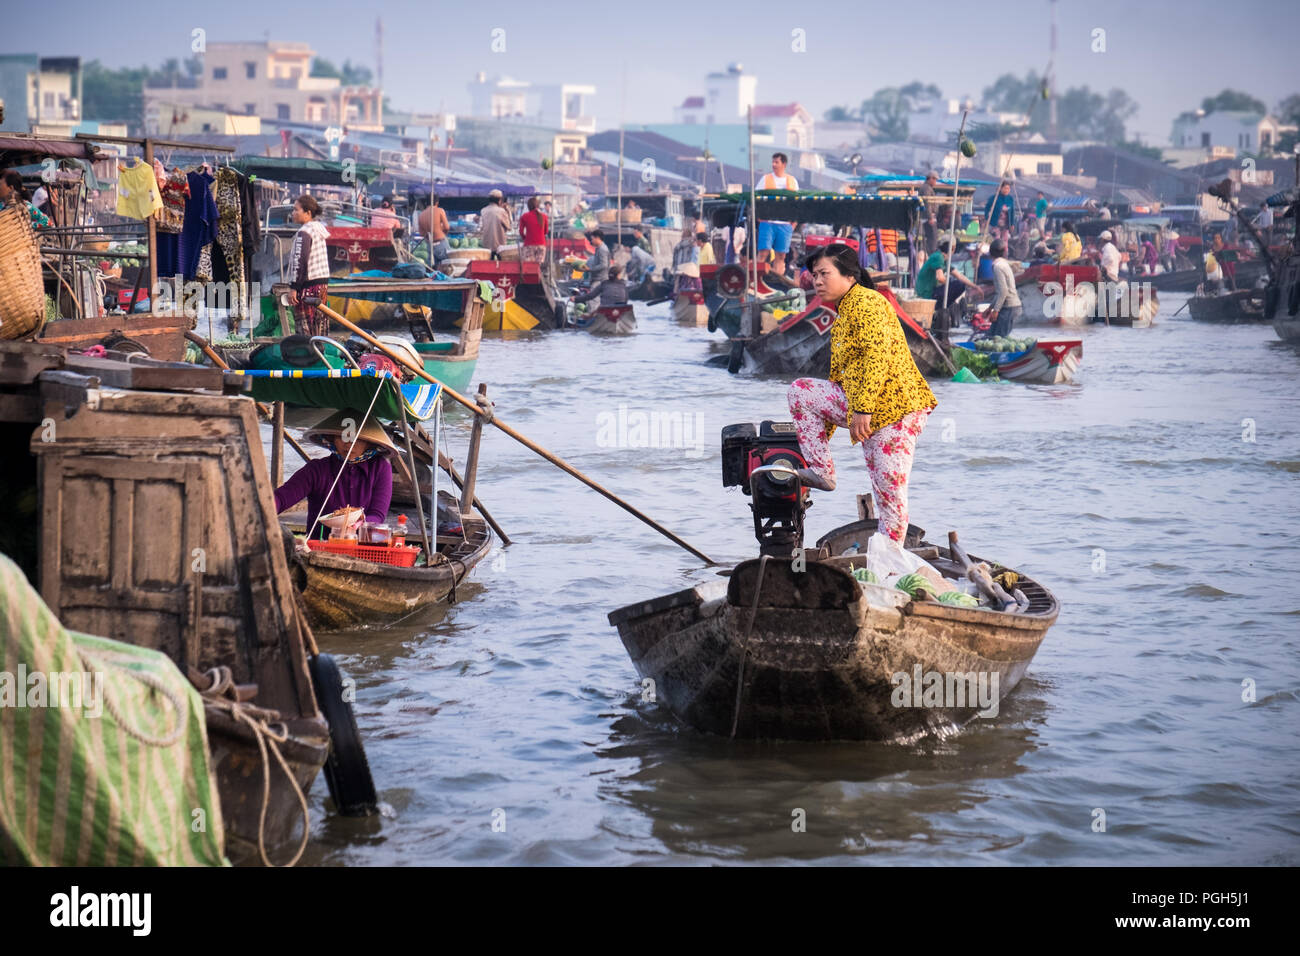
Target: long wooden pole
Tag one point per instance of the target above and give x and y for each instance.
(522, 439)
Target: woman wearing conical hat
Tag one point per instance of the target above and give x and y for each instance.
(362, 456)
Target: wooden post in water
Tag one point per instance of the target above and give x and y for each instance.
(471, 458)
(151, 225)
(277, 444)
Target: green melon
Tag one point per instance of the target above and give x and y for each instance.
(958, 599)
(913, 584)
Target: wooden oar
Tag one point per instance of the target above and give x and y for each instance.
(981, 578)
(528, 443)
(207, 350)
(1183, 306)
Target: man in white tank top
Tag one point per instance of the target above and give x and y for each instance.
(774, 234)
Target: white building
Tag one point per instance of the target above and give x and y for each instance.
(792, 125)
(727, 98)
(561, 106)
(937, 121)
(1240, 130)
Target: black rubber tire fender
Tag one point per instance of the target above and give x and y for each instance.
(347, 771)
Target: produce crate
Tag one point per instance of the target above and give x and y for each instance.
(402, 557)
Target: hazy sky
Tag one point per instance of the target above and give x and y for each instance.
(1165, 54)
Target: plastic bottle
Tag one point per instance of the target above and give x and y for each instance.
(399, 536)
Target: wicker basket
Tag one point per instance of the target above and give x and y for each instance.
(22, 292)
(920, 311)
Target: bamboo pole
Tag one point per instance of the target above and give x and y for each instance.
(517, 436)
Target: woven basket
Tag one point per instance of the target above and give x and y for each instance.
(610, 216)
(22, 292)
(921, 311)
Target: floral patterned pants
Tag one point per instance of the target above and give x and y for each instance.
(888, 451)
(308, 319)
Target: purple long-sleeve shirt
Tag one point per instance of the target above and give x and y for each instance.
(368, 484)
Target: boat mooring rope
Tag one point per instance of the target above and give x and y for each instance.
(221, 682)
(744, 646)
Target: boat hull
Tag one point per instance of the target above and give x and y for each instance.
(344, 592)
(689, 309)
(824, 654)
(609, 320)
(1246, 305)
(1047, 363)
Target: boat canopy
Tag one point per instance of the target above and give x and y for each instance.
(826, 208)
(452, 188)
(344, 388)
(312, 172)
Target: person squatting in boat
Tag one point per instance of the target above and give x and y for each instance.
(367, 479)
(874, 389)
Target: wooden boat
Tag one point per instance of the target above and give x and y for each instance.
(161, 333)
(1285, 301)
(526, 299)
(158, 528)
(1047, 363)
(689, 309)
(1074, 296)
(1244, 305)
(360, 586)
(340, 591)
(608, 320)
(776, 653)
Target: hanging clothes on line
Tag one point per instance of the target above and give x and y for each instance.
(137, 191)
(200, 227)
(171, 219)
(228, 250)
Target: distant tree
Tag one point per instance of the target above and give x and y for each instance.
(1141, 149)
(1288, 111)
(113, 95)
(194, 66)
(886, 115)
(323, 67)
(355, 75)
(916, 91)
(1233, 100)
(840, 114)
(1010, 94)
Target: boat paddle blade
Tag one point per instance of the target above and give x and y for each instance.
(347, 772)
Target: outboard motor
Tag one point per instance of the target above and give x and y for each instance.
(761, 461)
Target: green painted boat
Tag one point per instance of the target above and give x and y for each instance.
(444, 362)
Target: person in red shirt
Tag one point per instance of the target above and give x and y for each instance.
(533, 227)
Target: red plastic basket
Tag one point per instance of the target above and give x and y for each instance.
(402, 557)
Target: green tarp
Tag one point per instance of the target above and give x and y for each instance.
(313, 172)
(103, 748)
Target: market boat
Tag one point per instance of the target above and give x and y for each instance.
(1074, 296)
(1244, 305)
(784, 649)
(344, 583)
(526, 298)
(1047, 363)
(689, 309)
(608, 320)
(799, 343)
(1286, 301)
(158, 528)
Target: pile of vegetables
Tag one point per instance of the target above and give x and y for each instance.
(980, 364)
(129, 249)
(1005, 343)
(914, 584)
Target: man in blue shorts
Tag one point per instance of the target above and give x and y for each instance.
(773, 234)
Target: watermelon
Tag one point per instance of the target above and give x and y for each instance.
(913, 584)
(455, 242)
(865, 576)
(958, 599)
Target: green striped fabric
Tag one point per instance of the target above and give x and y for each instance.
(78, 787)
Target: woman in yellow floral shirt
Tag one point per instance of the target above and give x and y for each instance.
(875, 389)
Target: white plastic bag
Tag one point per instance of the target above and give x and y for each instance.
(888, 561)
